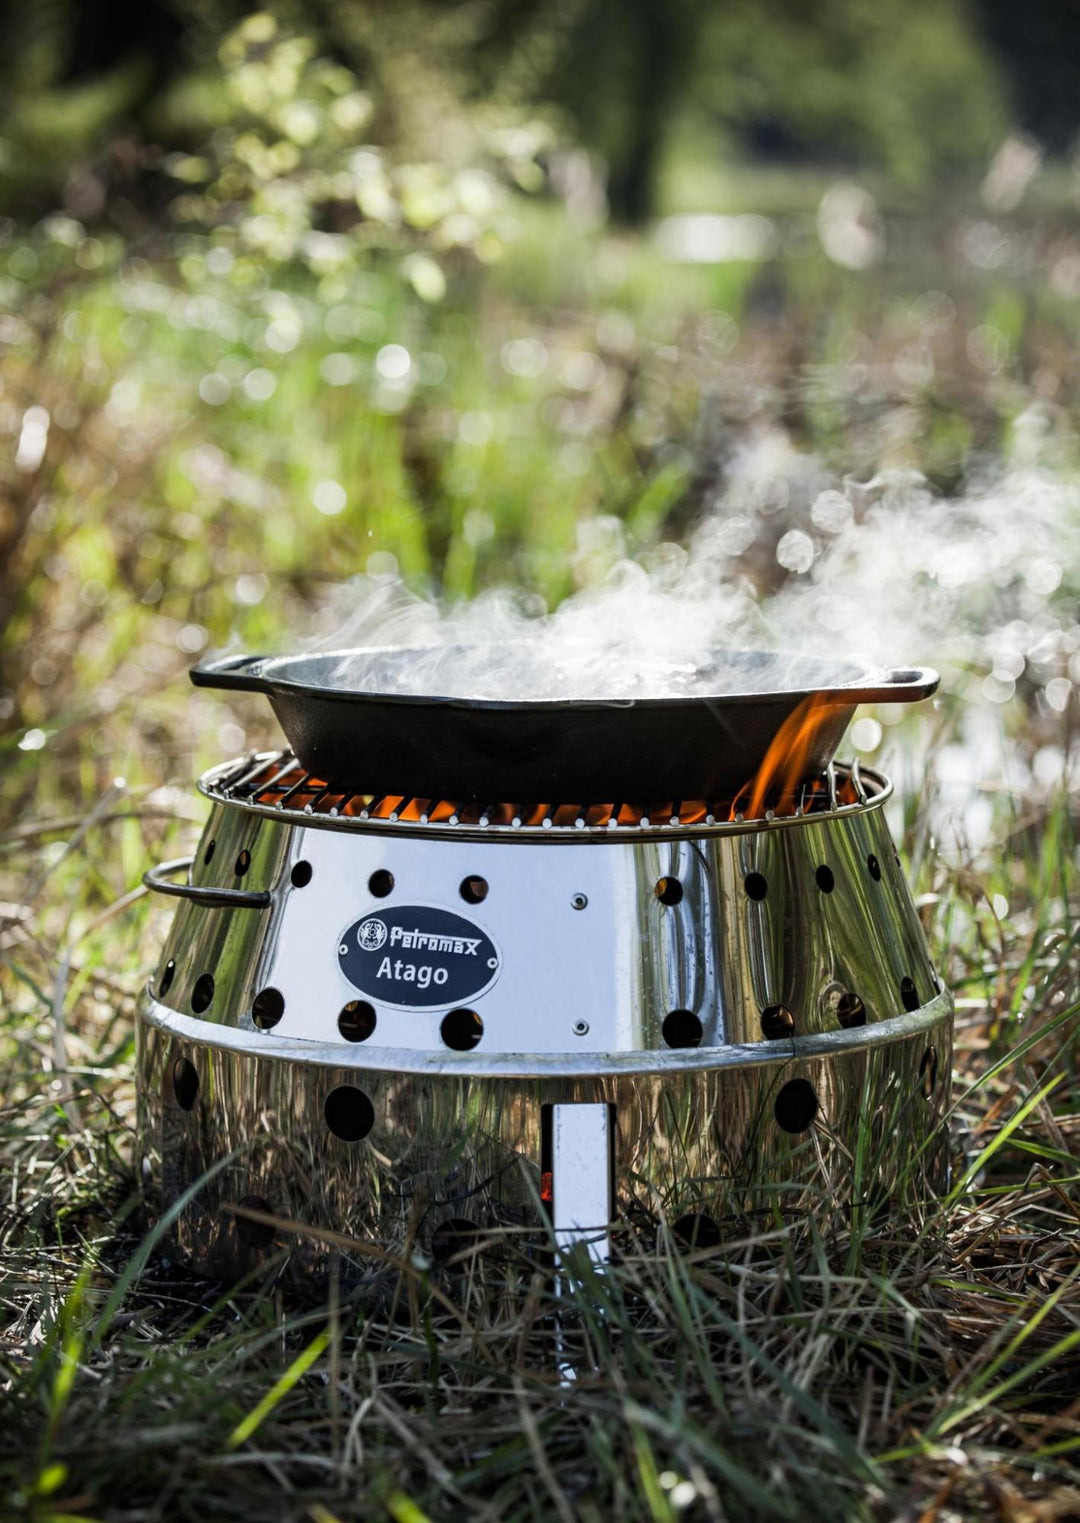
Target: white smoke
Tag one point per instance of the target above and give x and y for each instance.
(876, 574)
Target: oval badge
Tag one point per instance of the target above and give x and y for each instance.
(418, 957)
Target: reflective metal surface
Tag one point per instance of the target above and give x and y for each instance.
(579, 1158)
(695, 1021)
(453, 1149)
(598, 947)
(273, 784)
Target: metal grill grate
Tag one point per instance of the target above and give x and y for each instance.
(275, 783)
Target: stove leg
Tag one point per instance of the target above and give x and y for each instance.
(580, 1175)
(582, 1168)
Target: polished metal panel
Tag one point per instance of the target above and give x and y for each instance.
(743, 1016)
(447, 1146)
(593, 961)
(582, 1169)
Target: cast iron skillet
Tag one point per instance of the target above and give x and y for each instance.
(704, 742)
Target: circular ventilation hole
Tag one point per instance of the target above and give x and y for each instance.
(682, 1029)
(755, 885)
(208, 854)
(349, 1113)
(202, 993)
(243, 862)
(453, 1237)
(873, 867)
(356, 1021)
(669, 890)
(777, 1022)
(474, 889)
(695, 1230)
(267, 1008)
(381, 883)
(824, 879)
(300, 876)
(796, 1106)
(185, 1084)
(909, 995)
(254, 1234)
(928, 1073)
(850, 1010)
(461, 1030)
(168, 973)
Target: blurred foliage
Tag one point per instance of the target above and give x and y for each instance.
(198, 447)
(286, 175)
(908, 89)
(356, 325)
(912, 89)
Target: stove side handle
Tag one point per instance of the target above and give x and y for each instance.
(159, 881)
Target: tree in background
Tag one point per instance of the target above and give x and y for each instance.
(904, 87)
(1038, 43)
(914, 90)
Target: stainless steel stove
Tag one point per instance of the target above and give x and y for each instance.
(384, 1024)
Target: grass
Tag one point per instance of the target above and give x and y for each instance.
(816, 1368)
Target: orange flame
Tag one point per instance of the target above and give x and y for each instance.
(780, 784)
(785, 762)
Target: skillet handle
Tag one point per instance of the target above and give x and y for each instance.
(243, 672)
(901, 685)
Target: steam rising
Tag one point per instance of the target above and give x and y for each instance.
(882, 573)
(638, 633)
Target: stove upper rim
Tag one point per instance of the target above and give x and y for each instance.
(536, 834)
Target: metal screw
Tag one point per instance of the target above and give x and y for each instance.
(579, 901)
(581, 1028)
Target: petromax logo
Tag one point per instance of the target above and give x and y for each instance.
(372, 934)
(419, 956)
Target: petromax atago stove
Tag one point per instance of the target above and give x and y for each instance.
(398, 1018)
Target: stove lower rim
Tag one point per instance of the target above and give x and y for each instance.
(572, 1065)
